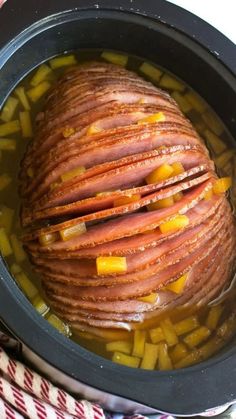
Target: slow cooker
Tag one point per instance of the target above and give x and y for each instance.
(34, 31)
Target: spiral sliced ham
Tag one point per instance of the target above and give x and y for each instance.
(96, 117)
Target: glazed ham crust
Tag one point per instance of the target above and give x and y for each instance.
(99, 118)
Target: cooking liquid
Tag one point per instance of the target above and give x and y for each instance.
(222, 149)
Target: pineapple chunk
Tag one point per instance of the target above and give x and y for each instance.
(163, 172)
(5, 247)
(62, 61)
(38, 91)
(47, 239)
(184, 105)
(213, 122)
(18, 250)
(59, 324)
(191, 359)
(214, 316)
(5, 180)
(111, 264)
(217, 145)
(171, 83)
(123, 359)
(156, 335)
(6, 218)
(124, 200)
(224, 158)
(20, 93)
(186, 325)
(178, 285)
(179, 352)
(93, 130)
(149, 70)
(15, 269)
(9, 109)
(73, 231)
(9, 128)
(178, 168)
(73, 173)
(115, 58)
(26, 125)
(169, 332)
(139, 342)
(197, 336)
(40, 305)
(162, 203)
(196, 101)
(164, 359)
(152, 119)
(208, 195)
(222, 185)
(41, 74)
(151, 298)
(176, 223)
(30, 172)
(68, 132)
(178, 196)
(119, 346)
(26, 285)
(150, 356)
(7, 144)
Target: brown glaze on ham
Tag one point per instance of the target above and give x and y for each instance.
(117, 158)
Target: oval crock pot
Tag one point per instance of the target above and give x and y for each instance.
(33, 31)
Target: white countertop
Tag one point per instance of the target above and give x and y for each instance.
(220, 14)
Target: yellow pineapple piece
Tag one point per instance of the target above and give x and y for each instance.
(214, 316)
(224, 158)
(222, 185)
(26, 125)
(196, 101)
(10, 128)
(149, 70)
(191, 359)
(176, 223)
(35, 93)
(163, 172)
(164, 359)
(6, 218)
(178, 285)
(7, 144)
(197, 336)
(26, 285)
(5, 181)
(124, 200)
(139, 342)
(150, 356)
(169, 332)
(93, 130)
(179, 352)
(127, 360)
(152, 119)
(73, 231)
(213, 122)
(48, 238)
(73, 173)
(161, 203)
(184, 105)
(41, 74)
(208, 195)
(115, 58)
(178, 168)
(151, 298)
(20, 93)
(17, 248)
(68, 132)
(178, 196)
(216, 143)
(5, 247)
(156, 335)
(111, 264)
(186, 325)
(123, 346)
(171, 83)
(63, 61)
(40, 305)
(9, 109)
(59, 324)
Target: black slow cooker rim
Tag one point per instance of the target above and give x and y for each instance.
(82, 362)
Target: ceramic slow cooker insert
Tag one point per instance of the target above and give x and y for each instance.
(31, 33)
